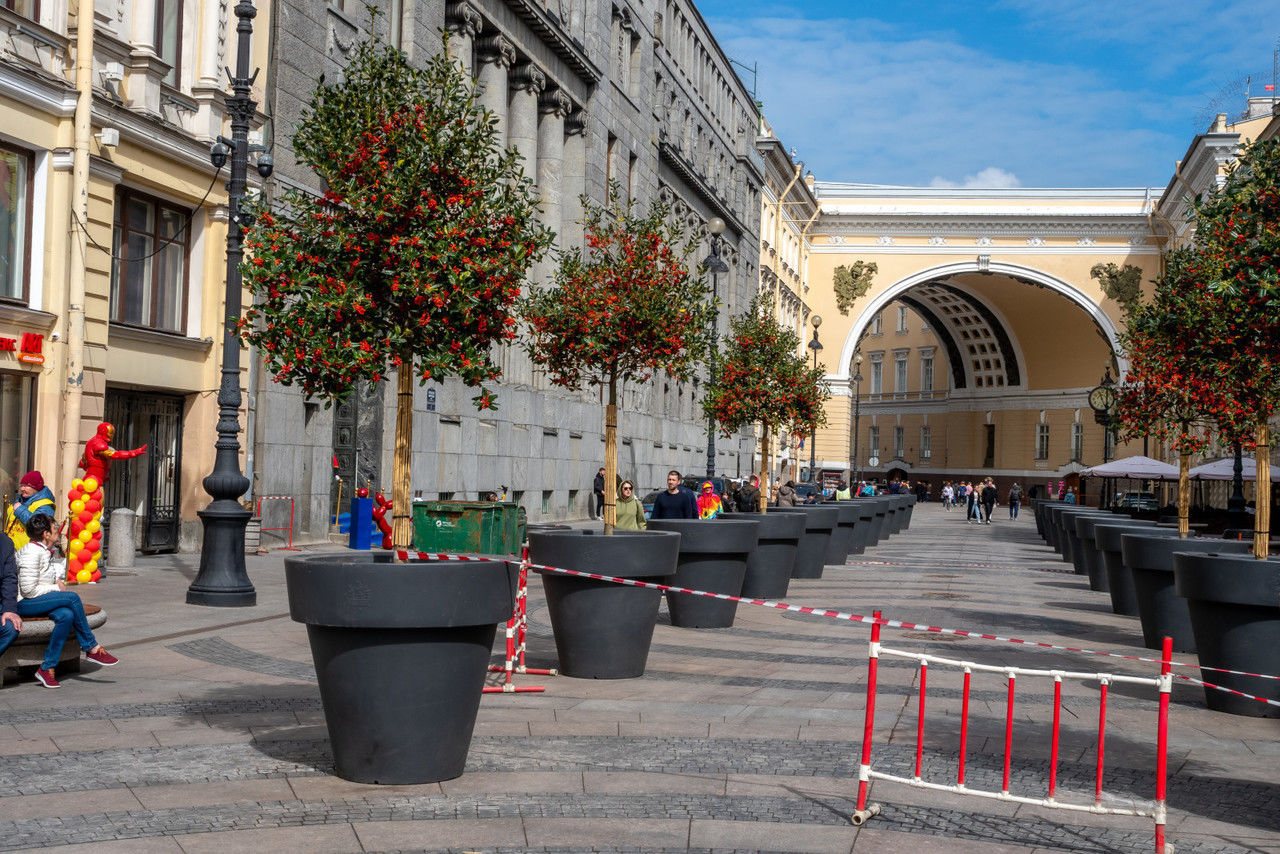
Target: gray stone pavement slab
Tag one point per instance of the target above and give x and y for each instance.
(209, 734)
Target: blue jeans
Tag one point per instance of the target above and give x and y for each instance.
(8, 634)
(1013, 509)
(67, 613)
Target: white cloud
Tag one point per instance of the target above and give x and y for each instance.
(991, 178)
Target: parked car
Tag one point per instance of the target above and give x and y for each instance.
(1137, 501)
(807, 493)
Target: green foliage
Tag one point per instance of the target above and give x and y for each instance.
(414, 255)
(763, 380)
(852, 283)
(623, 308)
(1122, 284)
(1238, 226)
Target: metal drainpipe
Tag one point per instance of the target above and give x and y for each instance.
(75, 321)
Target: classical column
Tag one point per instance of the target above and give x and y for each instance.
(527, 84)
(575, 180)
(496, 56)
(464, 23)
(553, 108)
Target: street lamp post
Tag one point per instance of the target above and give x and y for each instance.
(857, 400)
(222, 580)
(715, 265)
(1102, 400)
(815, 345)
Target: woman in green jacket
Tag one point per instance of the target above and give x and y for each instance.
(630, 510)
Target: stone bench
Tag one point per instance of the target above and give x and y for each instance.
(27, 649)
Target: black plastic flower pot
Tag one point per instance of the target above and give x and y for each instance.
(1108, 539)
(896, 516)
(1037, 513)
(877, 531)
(841, 543)
(603, 630)
(1088, 553)
(769, 566)
(866, 522)
(1234, 600)
(811, 554)
(713, 558)
(1067, 532)
(401, 652)
(1148, 556)
(911, 508)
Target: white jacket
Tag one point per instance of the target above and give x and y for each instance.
(36, 575)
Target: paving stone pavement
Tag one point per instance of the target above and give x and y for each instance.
(209, 735)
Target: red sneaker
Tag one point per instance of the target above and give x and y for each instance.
(47, 679)
(102, 657)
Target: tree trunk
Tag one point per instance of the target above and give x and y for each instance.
(1262, 492)
(401, 509)
(610, 514)
(1184, 493)
(764, 468)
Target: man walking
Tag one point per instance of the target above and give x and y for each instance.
(597, 493)
(988, 500)
(1015, 498)
(676, 502)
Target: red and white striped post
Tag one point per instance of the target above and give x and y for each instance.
(864, 812)
(1162, 740)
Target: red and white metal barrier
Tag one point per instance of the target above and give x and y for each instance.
(288, 547)
(516, 632)
(1163, 684)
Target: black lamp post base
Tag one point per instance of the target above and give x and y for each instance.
(223, 581)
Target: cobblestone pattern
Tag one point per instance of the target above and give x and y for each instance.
(826, 811)
(220, 651)
(1239, 802)
(170, 708)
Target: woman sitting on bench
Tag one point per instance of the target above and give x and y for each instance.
(41, 593)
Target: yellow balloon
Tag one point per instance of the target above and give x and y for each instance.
(77, 506)
(84, 536)
(77, 484)
(94, 526)
(84, 576)
(90, 484)
(97, 555)
(75, 546)
(89, 567)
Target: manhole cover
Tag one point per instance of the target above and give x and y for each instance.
(940, 575)
(935, 595)
(932, 636)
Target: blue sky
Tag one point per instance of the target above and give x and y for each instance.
(1032, 93)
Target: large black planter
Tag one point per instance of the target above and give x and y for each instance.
(1088, 554)
(1067, 539)
(811, 554)
(910, 504)
(603, 629)
(866, 522)
(713, 557)
(769, 566)
(401, 652)
(1108, 538)
(1235, 615)
(841, 543)
(880, 510)
(1148, 556)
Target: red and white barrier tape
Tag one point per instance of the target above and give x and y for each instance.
(859, 618)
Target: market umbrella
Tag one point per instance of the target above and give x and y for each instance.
(1224, 469)
(1137, 468)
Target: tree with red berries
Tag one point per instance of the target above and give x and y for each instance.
(411, 261)
(621, 310)
(763, 380)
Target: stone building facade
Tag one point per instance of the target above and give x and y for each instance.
(590, 93)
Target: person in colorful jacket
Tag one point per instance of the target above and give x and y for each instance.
(709, 504)
(33, 497)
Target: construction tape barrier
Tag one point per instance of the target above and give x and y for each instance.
(860, 618)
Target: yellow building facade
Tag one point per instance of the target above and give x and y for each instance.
(112, 248)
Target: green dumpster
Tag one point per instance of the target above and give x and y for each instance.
(469, 527)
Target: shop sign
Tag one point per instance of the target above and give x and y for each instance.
(29, 347)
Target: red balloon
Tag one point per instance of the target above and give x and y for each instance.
(73, 561)
(93, 505)
(91, 546)
(97, 496)
(85, 516)
(75, 494)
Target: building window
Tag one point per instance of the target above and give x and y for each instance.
(899, 446)
(17, 398)
(926, 373)
(573, 500)
(1042, 441)
(149, 276)
(877, 376)
(1077, 442)
(902, 318)
(169, 37)
(877, 325)
(25, 8)
(873, 441)
(925, 438)
(546, 501)
(15, 219)
(900, 372)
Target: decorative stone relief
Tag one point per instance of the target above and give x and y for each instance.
(1086, 241)
(497, 50)
(984, 263)
(464, 18)
(1035, 241)
(937, 241)
(838, 239)
(884, 240)
(983, 241)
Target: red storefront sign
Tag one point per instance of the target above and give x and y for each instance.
(30, 347)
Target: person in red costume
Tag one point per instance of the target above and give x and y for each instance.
(99, 455)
